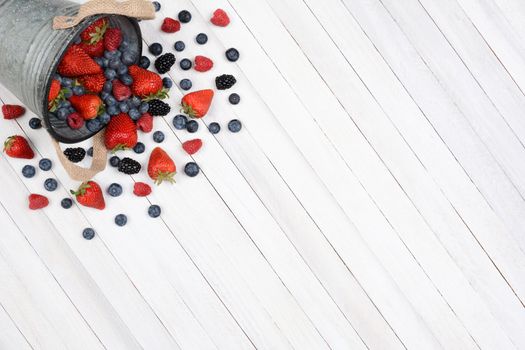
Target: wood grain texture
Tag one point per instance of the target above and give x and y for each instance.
(373, 200)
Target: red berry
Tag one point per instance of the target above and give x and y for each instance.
(170, 25)
(145, 123)
(220, 18)
(112, 39)
(75, 121)
(121, 92)
(37, 201)
(141, 189)
(12, 111)
(203, 64)
(192, 146)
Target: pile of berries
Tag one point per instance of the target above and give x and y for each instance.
(102, 82)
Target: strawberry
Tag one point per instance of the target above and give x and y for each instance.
(145, 123)
(192, 146)
(146, 83)
(12, 111)
(121, 133)
(93, 83)
(112, 39)
(17, 147)
(203, 64)
(95, 32)
(161, 167)
(76, 62)
(37, 201)
(54, 90)
(220, 18)
(93, 50)
(197, 104)
(88, 106)
(90, 195)
(121, 92)
(170, 25)
(141, 189)
(75, 121)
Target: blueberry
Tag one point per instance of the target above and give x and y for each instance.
(110, 74)
(123, 106)
(104, 118)
(50, 184)
(77, 40)
(139, 148)
(110, 101)
(154, 211)
(234, 125)
(108, 55)
(126, 79)
(45, 164)
(65, 104)
(128, 58)
(113, 110)
(105, 62)
(67, 92)
(118, 53)
(122, 70)
(114, 190)
(134, 114)
(185, 84)
(232, 55)
(67, 82)
(57, 76)
(201, 39)
(90, 151)
(79, 90)
(124, 45)
(99, 60)
(144, 62)
(66, 203)
(155, 49)
(135, 101)
(158, 136)
(114, 161)
(93, 125)
(62, 113)
(185, 64)
(234, 99)
(179, 122)
(108, 86)
(192, 169)
(35, 123)
(214, 128)
(114, 63)
(184, 16)
(28, 171)
(104, 95)
(121, 220)
(156, 5)
(88, 234)
(167, 83)
(179, 46)
(192, 126)
(144, 107)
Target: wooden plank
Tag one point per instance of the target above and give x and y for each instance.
(427, 145)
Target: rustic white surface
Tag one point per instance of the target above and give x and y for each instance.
(374, 199)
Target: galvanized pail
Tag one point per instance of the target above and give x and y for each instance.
(30, 50)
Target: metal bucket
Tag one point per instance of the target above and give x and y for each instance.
(30, 51)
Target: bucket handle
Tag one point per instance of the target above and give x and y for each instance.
(141, 9)
(98, 163)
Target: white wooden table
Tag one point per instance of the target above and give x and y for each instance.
(374, 198)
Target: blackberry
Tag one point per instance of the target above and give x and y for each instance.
(184, 16)
(165, 62)
(158, 108)
(129, 166)
(75, 155)
(225, 81)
